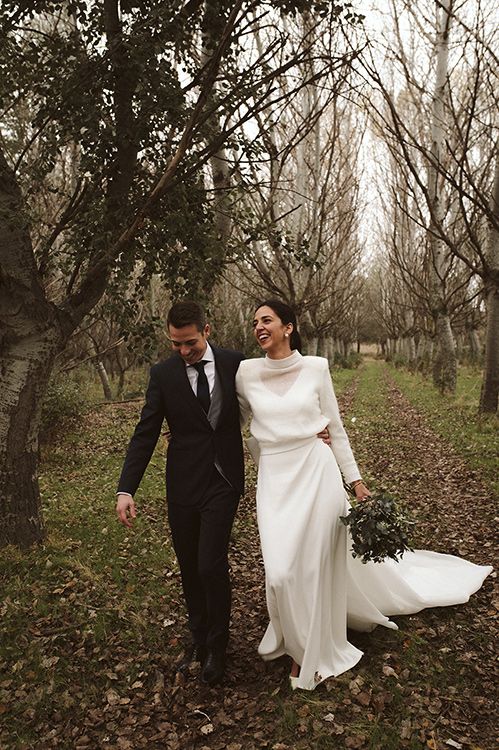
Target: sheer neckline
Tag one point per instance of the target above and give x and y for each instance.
(280, 364)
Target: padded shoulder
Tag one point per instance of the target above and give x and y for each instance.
(166, 365)
(316, 363)
(250, 365)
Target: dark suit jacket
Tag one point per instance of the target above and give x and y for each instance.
(194, 444)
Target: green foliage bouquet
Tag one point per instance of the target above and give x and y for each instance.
(377, 528)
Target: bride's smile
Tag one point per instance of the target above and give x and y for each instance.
(271, 333)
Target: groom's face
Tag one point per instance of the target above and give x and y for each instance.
(189, 342)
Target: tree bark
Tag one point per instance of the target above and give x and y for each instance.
(219, 162)
(26, 367)
(312, 346)
(409, 341)
(30, 335)
(104, 379)
(490, 385)
(489, 396)
(330, 350)
(445, 363)
(474, 342)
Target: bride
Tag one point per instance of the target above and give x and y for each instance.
(314, 587)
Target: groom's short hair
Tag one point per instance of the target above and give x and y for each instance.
(186, 313)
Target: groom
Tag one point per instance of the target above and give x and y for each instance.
(194, 392)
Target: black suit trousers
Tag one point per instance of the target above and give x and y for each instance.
(201, 535)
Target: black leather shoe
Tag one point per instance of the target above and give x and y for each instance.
(213, 668)
(193, 653)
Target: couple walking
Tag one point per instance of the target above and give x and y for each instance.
(314, 587)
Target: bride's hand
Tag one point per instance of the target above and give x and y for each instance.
(361, 491)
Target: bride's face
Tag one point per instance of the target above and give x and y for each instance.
(269, 330)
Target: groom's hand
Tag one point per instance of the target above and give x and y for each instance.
(324, 436)
(125, 509)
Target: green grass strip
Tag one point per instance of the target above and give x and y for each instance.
(456, 418)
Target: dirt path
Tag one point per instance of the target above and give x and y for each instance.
(459, 507)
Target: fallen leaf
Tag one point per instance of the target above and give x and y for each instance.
(363, 698)
(355, 742)
(112, 697)
(389, 672)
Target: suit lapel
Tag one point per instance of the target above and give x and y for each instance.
(224, 375)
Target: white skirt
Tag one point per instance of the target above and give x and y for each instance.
(314, 586)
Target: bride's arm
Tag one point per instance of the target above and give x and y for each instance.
(244, 407)
(244, 413)
(340, 444)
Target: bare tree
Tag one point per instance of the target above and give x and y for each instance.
(444, 145)
(297, 214)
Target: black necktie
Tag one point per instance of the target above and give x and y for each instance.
(203, 389)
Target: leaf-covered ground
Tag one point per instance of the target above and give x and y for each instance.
(93, 621)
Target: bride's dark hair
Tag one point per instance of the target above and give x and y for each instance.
(286, 315)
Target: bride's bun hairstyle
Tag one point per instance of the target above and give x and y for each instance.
(286, 315)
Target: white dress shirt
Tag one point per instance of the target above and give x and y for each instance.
(209, 369)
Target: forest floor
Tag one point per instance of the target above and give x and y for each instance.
(92, 621)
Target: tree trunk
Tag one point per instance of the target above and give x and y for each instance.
(411, 353)
(101, 370)
(490, 385)
(219, 162)
(26, 367)
(30, 336)
(409, 341)
(104, 379)
(312, 345)
(445, 364)
(121, 384)
(475, 349)
(458, 340)
(330, 351)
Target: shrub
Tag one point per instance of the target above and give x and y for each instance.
(349, 362)
(399, 360)
(65, 398)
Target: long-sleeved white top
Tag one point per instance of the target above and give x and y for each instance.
(290, 401)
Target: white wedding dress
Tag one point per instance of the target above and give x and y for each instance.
(314, 587)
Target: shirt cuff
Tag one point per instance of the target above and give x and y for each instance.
(125, 493)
